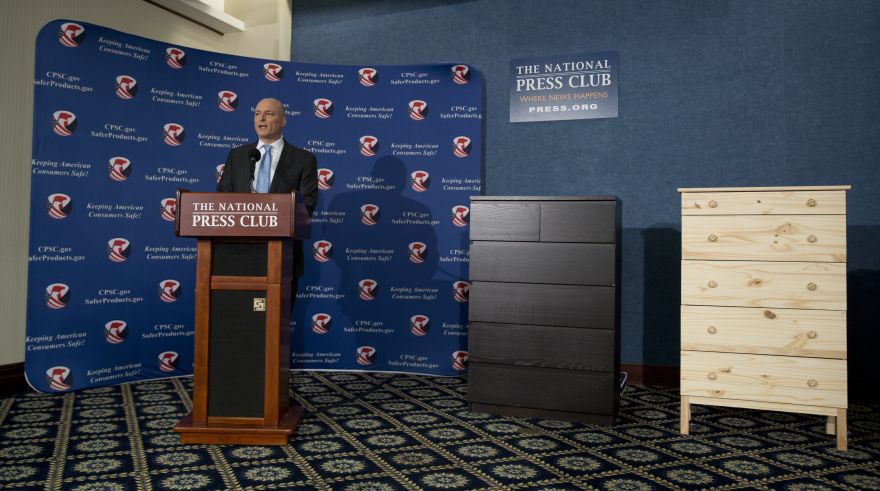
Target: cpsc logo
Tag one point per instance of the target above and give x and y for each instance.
(367, 289)
(169, 209)
(175, 57)
(169, 290)
(461, 146)
(417, 252)
(57, 295)
(323, 108)
(168, 361)
(368, 76)
(369, 145)
(126, 87)
(118, 249)
(119, 168)
(59, 378)
(418, 109)
(63, 122)
(366, 355)
(60, 206)
(71, 34)
(461, 291)
(325, 179)
(459, 360)
(419, 181)
(173, 134)
(369, 214)
(418, 324)
(115, 331)
(321, 323)
(460, 215)
(227, 100)
(461, 74)
(322, 250)
(273, 72)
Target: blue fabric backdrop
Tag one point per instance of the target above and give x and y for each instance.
(122, 121)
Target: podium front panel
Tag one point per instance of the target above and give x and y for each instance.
(237, 354)
(239, 259)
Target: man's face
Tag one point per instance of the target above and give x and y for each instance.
(269, 119)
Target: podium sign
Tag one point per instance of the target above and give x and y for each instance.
(242, 313)
(239, 215)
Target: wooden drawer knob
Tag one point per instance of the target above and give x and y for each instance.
(770, 315)
(811, 286)
(811, 203)
(713, 283)
(713, 203)
(812, 334)
(713, 238)
(812, 382)
(812, 238)
(712, 330)
(712, 376)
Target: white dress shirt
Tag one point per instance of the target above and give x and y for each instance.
(277, 147)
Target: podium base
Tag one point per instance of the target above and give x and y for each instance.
(229, 434)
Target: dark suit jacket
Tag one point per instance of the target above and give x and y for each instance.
(297, 171)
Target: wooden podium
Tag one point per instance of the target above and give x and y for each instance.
(242, 315)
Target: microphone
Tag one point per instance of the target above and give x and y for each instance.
(253, 156)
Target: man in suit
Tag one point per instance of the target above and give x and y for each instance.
(272, 165)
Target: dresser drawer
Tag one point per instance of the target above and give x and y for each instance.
(794, 285)
(764, 203)
(579, 221)
(570, 348)
(546, 305)
(523, 262)
(505, 220)
(780, 379)
(542, 388)
(764, 238)
(809, 333)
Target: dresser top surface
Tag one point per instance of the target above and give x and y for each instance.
(843, 187)
(543, 198)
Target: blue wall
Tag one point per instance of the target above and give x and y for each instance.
(712, 93)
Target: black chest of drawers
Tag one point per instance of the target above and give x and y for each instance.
(544, 307)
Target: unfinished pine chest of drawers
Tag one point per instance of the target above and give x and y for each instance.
(763, 301)
(544, 307)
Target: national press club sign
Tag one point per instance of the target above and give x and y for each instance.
(121, 122)
(551, 88)
(236, 215)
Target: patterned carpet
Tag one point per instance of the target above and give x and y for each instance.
(389, 431)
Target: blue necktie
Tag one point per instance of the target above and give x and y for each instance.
(262, 184)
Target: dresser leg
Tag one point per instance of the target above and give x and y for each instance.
(841, 429)
(685, 415)
(830, 425)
